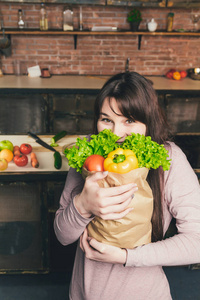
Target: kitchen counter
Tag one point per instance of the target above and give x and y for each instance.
(89, 82)
(45, 156)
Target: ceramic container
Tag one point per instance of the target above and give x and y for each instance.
(152, 25)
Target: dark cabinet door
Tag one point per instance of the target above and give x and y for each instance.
(72, 112)
(22, 112)
(23, 228)
(183, 114)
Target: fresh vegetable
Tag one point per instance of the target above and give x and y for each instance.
(5, 144)
(57, 160)
(6, 154)
(57, 137)
(21, 160)
(176, 75)
(101, 144)
(149, 153)
(169, 74)
(34, 161)
(183, 74)
(121, 161)
(94, 163)
(25, 148)
(16, 150)
(3, 164)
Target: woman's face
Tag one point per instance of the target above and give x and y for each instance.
(114, 120)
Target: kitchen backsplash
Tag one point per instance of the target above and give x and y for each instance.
(100, 54)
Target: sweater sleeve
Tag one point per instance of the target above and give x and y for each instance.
(68, 223)
(182, 195)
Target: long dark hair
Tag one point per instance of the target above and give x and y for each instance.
(137, 100)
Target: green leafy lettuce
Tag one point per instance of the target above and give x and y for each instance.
(102, 144)
(149, 153)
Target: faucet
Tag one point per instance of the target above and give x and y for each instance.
(127, 65)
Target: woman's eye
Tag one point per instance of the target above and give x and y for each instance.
(105, 120)
(129, 121)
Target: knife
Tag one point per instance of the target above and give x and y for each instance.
(41, 142)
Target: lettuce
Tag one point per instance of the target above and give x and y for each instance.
(102, 144)
(149, 153)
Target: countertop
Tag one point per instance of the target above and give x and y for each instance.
(89, 82)
(44, 156)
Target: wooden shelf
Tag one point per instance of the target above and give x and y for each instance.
(75, 33)
(88, 32)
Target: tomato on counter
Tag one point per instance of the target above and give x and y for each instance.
(25, 148)
(21, 160)
(183, 74)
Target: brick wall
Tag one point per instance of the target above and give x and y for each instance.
(100, 55)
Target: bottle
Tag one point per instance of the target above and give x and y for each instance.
(68, 19)
(170, 19)
(20, 19)
(152, 25)
(43, 18)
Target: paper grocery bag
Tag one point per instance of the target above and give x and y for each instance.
(135, 228)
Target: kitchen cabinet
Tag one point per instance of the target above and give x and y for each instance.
(183, 114)
(74, 112)
(23, 227)
(22, 112)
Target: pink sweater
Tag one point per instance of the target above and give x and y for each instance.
(142, 277)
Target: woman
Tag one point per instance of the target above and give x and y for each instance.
(128, 103)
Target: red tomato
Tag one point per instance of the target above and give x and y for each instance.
(94, 163)
(183, 74)
(169, 74)
(20, 160)
(25, 148)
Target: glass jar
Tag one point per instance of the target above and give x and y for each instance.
(170, 20)
(68, 19)
(43, 18)
(20, 19)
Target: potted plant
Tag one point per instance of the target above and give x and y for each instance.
(134, 18)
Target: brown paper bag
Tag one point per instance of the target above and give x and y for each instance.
(135, 228)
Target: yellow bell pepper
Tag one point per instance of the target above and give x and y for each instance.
(121, 161)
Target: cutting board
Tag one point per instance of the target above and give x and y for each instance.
(45, 156)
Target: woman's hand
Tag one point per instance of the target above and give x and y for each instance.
(108, 203)
(95, 250)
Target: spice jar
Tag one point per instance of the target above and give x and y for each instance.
(20, 19)
(68, 19)
(170, 19)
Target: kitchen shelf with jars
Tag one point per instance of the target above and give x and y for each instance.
(76, 33)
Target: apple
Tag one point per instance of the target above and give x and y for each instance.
(3, 164)
(5, 144)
